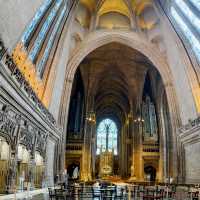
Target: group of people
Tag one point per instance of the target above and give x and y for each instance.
(75, 176)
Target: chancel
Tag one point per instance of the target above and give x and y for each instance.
(100, 99)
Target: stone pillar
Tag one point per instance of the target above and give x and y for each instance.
(86, 173)
(93, 22)
(93, 144)
(51, 164)
(139, 165)
(12, 175)
(140, 127)
(132, 133)
(31, 168)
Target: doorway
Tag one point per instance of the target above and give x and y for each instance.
(150, 173)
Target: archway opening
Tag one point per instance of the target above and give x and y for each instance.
(150, 173)
(73, 171)
(119, 87)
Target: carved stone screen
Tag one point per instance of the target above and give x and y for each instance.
(192, 167)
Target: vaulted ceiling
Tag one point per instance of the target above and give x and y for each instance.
(118, 73)
(139, 12)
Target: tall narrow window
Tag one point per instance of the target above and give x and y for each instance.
(36, 19)
(194, 42)
(196, 3)
(41, 65)
(107, 136)
(194, 20)
(42, 34)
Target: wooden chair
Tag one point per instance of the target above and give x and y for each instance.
(96, 193)
(52, 194)
(59, 193)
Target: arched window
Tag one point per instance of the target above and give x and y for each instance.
(185, 18)
(107, 136)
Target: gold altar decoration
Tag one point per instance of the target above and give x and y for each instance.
(4, 170)
(106, 164)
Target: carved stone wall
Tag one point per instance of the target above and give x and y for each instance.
(189, 148)
(24, 120)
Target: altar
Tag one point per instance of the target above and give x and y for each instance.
(106, 164)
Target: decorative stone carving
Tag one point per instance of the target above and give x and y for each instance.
(9, 123)
(191, 124)
(24, 85)
(2, 49)
(11, 182)
(27, 136)
(41, 142)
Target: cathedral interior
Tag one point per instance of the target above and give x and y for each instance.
(100, 94)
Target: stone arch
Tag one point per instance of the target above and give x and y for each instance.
(132, 40)
(97, 39)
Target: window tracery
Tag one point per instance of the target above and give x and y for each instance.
(150, 129)
(194, 42)
(40, 67)
(196, 3)
(38, 16)
(33, 54)
(194, 20)
(107, 136)
(42, 34)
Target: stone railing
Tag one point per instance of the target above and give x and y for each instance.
(15, 73)
(153, 148)
(74, 147)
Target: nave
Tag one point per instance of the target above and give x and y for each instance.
(100, 99)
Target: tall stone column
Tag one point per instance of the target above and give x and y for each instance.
(12, 175)
(132, 133)
(140, 124)
(32, 170)
(86, 174)
(93, 145)
(139, 165)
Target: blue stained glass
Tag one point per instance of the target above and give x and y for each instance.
(42, 34)
(188, 33)
(39, 14)
(50, 43)
(189, 14)
(196, 3)
(107, 125)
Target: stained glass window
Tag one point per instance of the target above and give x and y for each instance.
(42, 34)
(196, 3)
(39, 14)
(187, 32)
(107, 136)
(194, 20)
(45, 56)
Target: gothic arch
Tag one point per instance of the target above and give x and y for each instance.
(101, 38)
(132, 40)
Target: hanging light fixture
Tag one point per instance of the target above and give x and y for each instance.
(91, 117)
(138, 118)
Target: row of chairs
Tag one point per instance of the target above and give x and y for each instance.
(116, 193)
(87, 192)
